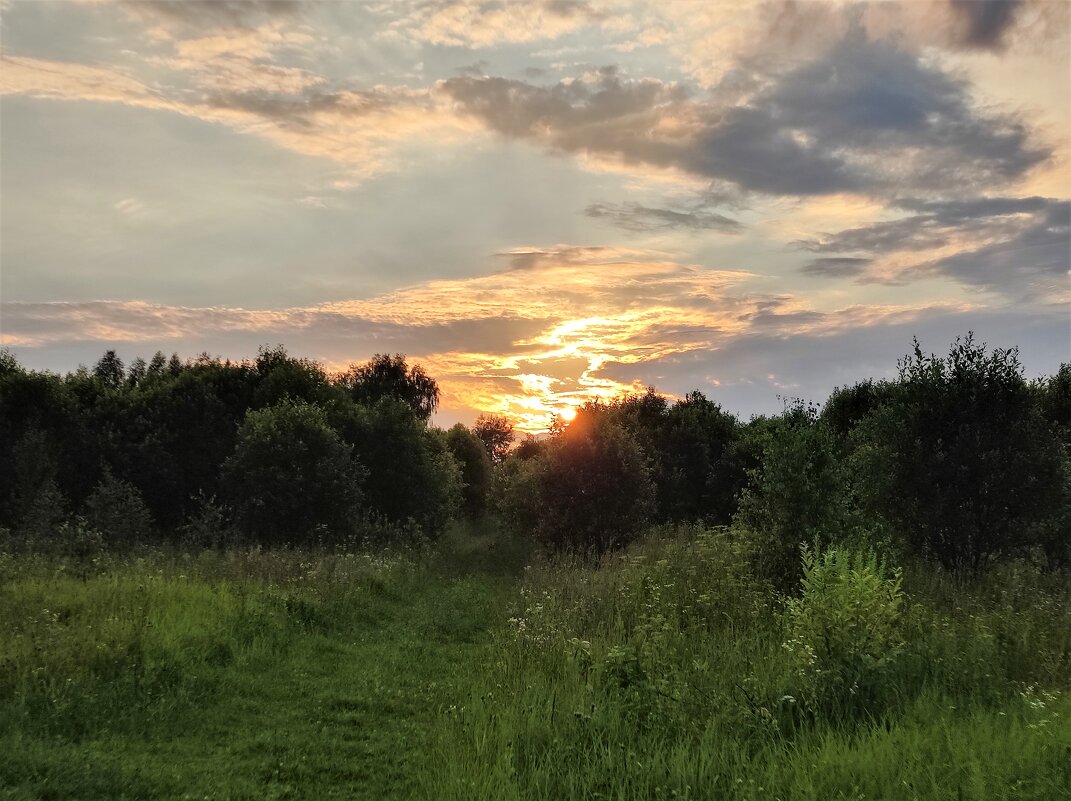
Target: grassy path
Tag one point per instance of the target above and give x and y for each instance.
(348, 709)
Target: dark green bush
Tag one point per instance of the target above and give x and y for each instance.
(798, 494)
(116, 509)
(960, 461)
(590, 489)
(475, 464)
(291, 474)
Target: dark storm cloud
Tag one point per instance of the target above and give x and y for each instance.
(837, 266)
(985, 21)
(866, 117)
(639, 218)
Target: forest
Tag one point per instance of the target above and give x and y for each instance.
(260, 579)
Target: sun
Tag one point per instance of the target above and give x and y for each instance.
(568, 413)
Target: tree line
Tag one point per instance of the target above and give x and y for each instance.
(959, 459)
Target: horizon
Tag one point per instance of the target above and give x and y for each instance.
(541, 203)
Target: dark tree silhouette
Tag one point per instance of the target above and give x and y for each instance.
(386, 376)
(496, 433)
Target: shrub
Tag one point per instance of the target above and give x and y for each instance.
(116, 509)
(588, 491)
(475, 464)
(797, 494)
(844, 629)
(207, 526)
(291, 474)
(960, 461)
(411, 473)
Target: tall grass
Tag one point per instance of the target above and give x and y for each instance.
(672, 672)
(480, 670)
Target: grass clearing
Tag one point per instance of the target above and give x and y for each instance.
(479, 671)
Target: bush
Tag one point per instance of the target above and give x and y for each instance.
(411, 473)
(475, 463)
(291, 474)
(797, 494)
(960, 461)
(844, 629)
(207, 526)
(116, 509)
(589, 491)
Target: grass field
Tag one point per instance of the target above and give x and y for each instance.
(479, 670)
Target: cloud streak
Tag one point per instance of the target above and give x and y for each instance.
(1018, 247)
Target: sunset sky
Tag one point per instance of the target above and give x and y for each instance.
(540, 201)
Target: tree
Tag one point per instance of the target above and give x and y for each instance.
(290, 474)
(496, 434)
(39, 504)
(386, 376)
(109, 370)
(961, 462)
(277, 375)
(1053, 395)
(468, 450)
(411, 474)
(797, 495)
(589, 490)
(115, 508)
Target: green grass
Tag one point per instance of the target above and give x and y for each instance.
(481, 671)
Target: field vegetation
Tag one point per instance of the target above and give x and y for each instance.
(259, 581)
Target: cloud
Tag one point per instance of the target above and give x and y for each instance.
(746, 373)
(524, 339)
(1019, 247)
(713, 40)
(643, 219)
(361, 130)
(484, 23)
(188, 15)
(837, 266)
(986, 22)
(867, 118)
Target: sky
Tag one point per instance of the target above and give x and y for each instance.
(542, 202)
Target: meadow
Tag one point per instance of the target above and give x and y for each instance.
(480, 668)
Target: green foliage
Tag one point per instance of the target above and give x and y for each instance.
(496, 434)
(589, 491)
(291, 474)
(846, 407)
(109, 371)
(411, 474)
(116, 509)
(386, 376)
(691, 450)
(798, 493)
(845, 630)
(208, 525)
(659, 672)
(961, 462)
(278, 376)
(475, 463)
(39, 503)
(1053, 397)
